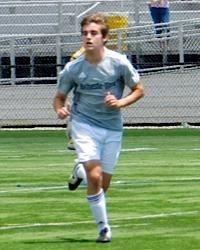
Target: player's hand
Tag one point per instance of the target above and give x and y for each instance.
(111, 100)
(63, 112)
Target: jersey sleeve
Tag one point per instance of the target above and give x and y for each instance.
(130, 74)
(65, 82)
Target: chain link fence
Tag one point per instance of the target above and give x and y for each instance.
(50, 16)
(38, 37)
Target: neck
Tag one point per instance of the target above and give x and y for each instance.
(95, 56)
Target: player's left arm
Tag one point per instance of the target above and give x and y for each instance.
(136, 93)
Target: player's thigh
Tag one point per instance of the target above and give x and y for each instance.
(86, 143)
(110, 153)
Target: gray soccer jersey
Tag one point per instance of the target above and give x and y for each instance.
(90, 84)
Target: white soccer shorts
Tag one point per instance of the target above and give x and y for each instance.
(96, 143)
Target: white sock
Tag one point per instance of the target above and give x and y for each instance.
(81, 173)
(98, 206)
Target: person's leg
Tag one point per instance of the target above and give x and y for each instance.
(165, 18)
(109, 156)
(99, 175)
(78, 176)
(155, 14)
(96, 198)
(70, 143)
(88, 142)
(94, 176)
(106, 181)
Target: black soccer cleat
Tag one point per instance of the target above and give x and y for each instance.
(74, 181)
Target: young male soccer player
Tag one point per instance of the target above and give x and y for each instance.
(98, 78)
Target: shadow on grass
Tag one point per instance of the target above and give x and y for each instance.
(59, 240)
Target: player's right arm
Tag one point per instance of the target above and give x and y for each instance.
(64, 85)
(60, 108)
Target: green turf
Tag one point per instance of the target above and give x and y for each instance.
(153, 201)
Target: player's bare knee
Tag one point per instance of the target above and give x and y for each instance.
(94, 177)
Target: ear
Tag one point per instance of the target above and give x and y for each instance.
(105, 39)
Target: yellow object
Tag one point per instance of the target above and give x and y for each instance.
(115, 22)
(78, 53)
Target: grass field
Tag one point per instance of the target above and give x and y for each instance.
(153, 201)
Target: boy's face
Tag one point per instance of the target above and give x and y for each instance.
(92, 37)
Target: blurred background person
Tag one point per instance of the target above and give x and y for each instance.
(160, 14)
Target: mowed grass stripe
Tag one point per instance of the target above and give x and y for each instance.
(115, 184)
(163, 183)
(148, 216)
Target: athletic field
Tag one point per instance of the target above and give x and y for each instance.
(153, 201)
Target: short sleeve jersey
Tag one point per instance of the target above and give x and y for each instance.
(92, 82)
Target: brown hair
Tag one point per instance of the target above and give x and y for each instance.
(97, 18)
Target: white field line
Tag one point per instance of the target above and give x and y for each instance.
(157, 180)
(20, 188)
(33, 189)
(63, 151)
(137, 149)
(150, 149)
(130, 224)
(148, 216)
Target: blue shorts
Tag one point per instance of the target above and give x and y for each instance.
(96, 143)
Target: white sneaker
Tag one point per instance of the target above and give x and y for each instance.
(104, 236)
(74, 181)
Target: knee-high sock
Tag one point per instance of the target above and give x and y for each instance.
(98, 206)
